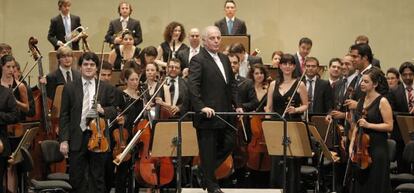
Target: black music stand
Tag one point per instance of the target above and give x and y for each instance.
(405, 123)
(168, 140)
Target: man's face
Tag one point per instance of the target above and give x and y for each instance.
(304, 49)
(194, 37)
(357, 60)
(235, 64)
(88, 69)
(335, 70)
(65, 8)
(230, 10)
(124, 10)
(174, 69)
(407, 76)
(311, 68)
(106, 75)
(347, 66)
(66, 61)
(213, 39)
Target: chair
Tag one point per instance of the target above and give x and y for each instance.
(51, 154)
(406, 179)
(42, 186)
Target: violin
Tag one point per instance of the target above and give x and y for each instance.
(120, 136)
(360, 155)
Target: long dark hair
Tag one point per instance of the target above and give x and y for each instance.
(286, 59)
(378, 77)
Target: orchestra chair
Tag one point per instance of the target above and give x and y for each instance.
(407, 179)
(49, 186)
(51, 154)
(392, 152)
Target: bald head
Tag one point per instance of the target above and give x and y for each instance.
(211, 37)
(194, 37)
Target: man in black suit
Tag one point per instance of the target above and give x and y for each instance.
(319, 91)
(335, 71)
(362, 39)
(305, 46)
(246, 60)
(212, 88)
(86, 167)
(402, 99)
(195, 44)
(118, 25)
(64, 74)
(230, 25)
(61, 26)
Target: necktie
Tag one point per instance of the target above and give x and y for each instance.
(410, 97)
(67, 28)
(230, 26)
(302, 63)
(310, 95)
(85, 105)
(124, 24)
(358, 81)
(172, 90)
(68, 78)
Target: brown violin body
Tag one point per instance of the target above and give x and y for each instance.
(98, 142)
(223, 171)
(15, 130)
(120, 136)
(360, 156)
(259, 158)
(151, 171)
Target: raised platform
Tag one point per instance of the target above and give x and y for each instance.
(199, 190)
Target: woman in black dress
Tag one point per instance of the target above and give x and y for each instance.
(174, 36)
(375, 119)
(278, 96)
(124, 52)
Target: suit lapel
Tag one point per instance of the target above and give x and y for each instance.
(79, 89)
(118, 25)
(72, 23)
(213, 64)
(403, 93)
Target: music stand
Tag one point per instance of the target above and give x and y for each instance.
(325, 150)
(298, 135)
(164, 141)
(405, 123)
(25, 142)
(322, 127)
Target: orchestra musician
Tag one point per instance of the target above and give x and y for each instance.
(377, 122)
(334, 69)
(8, 115)
(61, 26)
(86, 171)
(176, 94)
(185, 55)
(212, 88)
(5, 49)
(280, 92)
(125, 51)
(174, 35)
(305, 46)
(64, 74)
(246, 60)
(152, 72)
(119, 25)
(230, 25)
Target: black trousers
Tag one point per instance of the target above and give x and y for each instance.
(215, 145)
(86, 169)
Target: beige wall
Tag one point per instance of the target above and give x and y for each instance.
(273, 24)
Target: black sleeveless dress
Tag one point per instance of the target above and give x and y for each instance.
(120, 57)
(280, 101)
(376, 178)
(166, 50)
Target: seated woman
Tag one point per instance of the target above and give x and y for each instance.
(126, 51)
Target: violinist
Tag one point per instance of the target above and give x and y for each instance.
(176, 95)
(152, 73)
(374, 119)
(77, 99)
(8, 115)
(130, 94)
(278, 96)
(8, 81)
(64, 74)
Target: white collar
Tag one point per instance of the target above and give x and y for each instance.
(63, 16)
(232, 19)
(367, 68)
(313, 79)
(126, 19)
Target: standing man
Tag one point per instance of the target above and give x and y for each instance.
(305, 46)
(118, 25)
(212, 88)
(195, 43)
(362, 39)
(64, 74)
(61, 26)
(246, 60)
(319, 91)
(334, 68)
(230, 25)
(86, 167)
